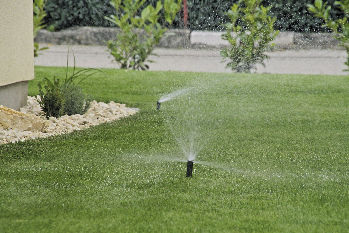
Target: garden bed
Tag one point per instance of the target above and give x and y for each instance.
(30, 122)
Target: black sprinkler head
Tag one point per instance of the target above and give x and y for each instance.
(190, 165)
(158, 105)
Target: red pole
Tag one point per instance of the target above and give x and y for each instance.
(185, 13)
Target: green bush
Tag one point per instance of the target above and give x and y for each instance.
(75, 101)
(38, 22)
(140, 30)
(292, 15)
(51, 97)
(339, 27)
(249, 33)
(208, 14)
(67, 13)
(60, 97)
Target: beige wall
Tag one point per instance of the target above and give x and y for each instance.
(16, 41)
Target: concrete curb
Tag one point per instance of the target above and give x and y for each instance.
(181, 38)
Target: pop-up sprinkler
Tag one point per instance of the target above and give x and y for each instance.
(158, 105)
(190, 165)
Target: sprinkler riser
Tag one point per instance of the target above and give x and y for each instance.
(190, 165)
(158, 105)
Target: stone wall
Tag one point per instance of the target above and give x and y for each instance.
(181, 38)
(100, 35)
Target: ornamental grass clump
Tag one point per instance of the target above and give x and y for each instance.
(140, 30)
(249, 33)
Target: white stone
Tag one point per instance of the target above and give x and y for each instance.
(98, 113)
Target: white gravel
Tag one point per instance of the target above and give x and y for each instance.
(98, 113)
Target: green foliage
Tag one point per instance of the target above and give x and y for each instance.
(292, 15)
(51, 97)
(75, 101)
(38, 22)
(340, 27)
(64, 97)
(249, 33)
(140, 30)
(67, 13)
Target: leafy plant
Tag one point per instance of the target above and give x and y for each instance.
(249, 34)
(38, 22)
(68, 13)
(51, 97)
(340, 27)
(292, 15)
(140, 30)
(64, 97)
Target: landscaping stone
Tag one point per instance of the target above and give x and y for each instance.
(176, 38)
(30, 122)
(284, 40)
(315, 40)
(205, 38)
(13, 120)
(181, 38)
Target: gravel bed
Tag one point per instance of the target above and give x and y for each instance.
(98, 113)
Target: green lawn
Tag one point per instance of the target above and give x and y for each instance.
(274, 153)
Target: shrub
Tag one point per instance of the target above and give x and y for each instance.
(75, 101)
(38, 22)
(249, 34)
(140, 30)
(208, 14)
(67, 13)
(51, 97)
(292, 15)
(340, 27)
(60, 97)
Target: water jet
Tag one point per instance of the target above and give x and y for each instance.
(190, 165)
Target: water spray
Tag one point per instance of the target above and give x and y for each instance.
(190, 165)
(171, 96)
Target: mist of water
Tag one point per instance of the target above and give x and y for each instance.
(266, 174)
(192, 116)
(173, 95)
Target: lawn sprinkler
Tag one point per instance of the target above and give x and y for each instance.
(190, 165)
(158, 105)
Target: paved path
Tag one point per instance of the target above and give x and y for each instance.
(281, 62)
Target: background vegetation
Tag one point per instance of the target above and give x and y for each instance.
(292, 15)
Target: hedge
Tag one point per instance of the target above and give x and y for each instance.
(67, 13)
(292, 15)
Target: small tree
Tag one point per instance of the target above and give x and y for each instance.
(140, 30)
(340, 27)
(38, 18)
(249, 33)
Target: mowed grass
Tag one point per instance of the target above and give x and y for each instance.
(274, 153)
